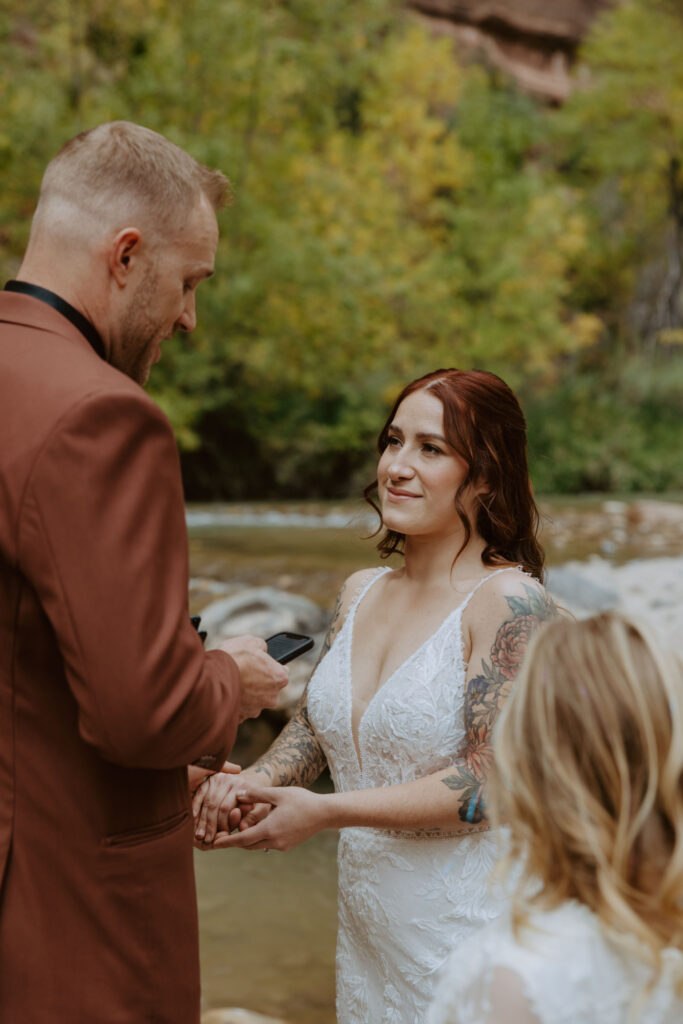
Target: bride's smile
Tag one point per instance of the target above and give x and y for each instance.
(419, 472)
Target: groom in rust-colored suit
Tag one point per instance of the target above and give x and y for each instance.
(106, 693)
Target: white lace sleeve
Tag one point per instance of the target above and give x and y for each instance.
(496, 995)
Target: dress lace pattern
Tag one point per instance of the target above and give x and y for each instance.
(405, 899)
(562, 970)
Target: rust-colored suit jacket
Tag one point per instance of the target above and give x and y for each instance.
(106, 692)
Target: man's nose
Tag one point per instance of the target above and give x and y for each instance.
(187, 321)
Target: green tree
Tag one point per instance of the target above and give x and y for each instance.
(621, 138)
(395, 211)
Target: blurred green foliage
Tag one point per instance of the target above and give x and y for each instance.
(395, 211)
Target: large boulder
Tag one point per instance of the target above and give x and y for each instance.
(263, 611)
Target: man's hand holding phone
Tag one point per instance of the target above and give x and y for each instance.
(255, 658)
(261, 676)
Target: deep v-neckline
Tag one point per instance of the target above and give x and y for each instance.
(350, 623)
(355, 735)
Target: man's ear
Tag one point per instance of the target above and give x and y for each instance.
(124, 252)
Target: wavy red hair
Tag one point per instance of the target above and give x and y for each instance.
(484, 424)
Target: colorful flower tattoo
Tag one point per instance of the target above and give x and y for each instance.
(485, 695)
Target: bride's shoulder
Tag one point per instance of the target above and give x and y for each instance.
(354, 585)
(510, 591)
(350, 590)
(505, 604)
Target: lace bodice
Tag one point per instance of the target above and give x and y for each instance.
(414, 725)
(562, 971)
(404, 898)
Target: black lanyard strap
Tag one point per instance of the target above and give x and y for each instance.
(90, 333)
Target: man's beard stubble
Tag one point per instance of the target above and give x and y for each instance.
(139, 331)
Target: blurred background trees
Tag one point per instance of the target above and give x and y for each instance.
(398, 208)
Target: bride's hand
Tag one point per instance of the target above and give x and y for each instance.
(296, 815)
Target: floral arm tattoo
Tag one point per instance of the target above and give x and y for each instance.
(296, 758)
(485, 695)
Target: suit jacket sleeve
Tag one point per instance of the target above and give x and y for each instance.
(102, 538)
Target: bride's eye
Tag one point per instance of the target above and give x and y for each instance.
(431, 449)
(393, 441)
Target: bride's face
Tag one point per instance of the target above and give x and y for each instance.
(419, 473)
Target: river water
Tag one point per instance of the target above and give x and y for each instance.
(267, 929)
(268, 923)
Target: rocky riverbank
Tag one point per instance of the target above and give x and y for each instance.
(647, 589)
(310, 548)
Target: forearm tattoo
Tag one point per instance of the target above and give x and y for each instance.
(485, 696)
(296, 758)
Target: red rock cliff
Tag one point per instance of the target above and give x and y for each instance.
(535, 41)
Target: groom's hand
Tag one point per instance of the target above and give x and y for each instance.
(213, 802)
(261, 677)
(196, 775)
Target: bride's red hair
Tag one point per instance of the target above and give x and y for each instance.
(484, 424)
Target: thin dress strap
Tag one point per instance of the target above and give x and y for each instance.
(362, 588)
(509, 568)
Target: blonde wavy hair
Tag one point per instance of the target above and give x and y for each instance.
(588, 779)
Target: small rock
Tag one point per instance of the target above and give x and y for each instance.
(572, 587)
(656, 513)
(238, 1016)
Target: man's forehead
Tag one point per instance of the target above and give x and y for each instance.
(199, 224)
(198, 245)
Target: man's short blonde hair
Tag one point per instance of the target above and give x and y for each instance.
(121, 171)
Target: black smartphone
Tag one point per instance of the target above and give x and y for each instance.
(196, 620)
(285, 647)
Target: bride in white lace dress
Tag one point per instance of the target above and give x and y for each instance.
(416, 666)
(589, 768)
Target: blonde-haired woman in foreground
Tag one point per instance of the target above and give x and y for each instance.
(589, 763)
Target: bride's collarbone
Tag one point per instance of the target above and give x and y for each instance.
(395, 611)
(389, 633)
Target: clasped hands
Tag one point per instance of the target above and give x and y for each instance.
(229, 810)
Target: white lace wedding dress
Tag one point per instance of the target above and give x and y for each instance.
(564, 971)
(404, 899)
